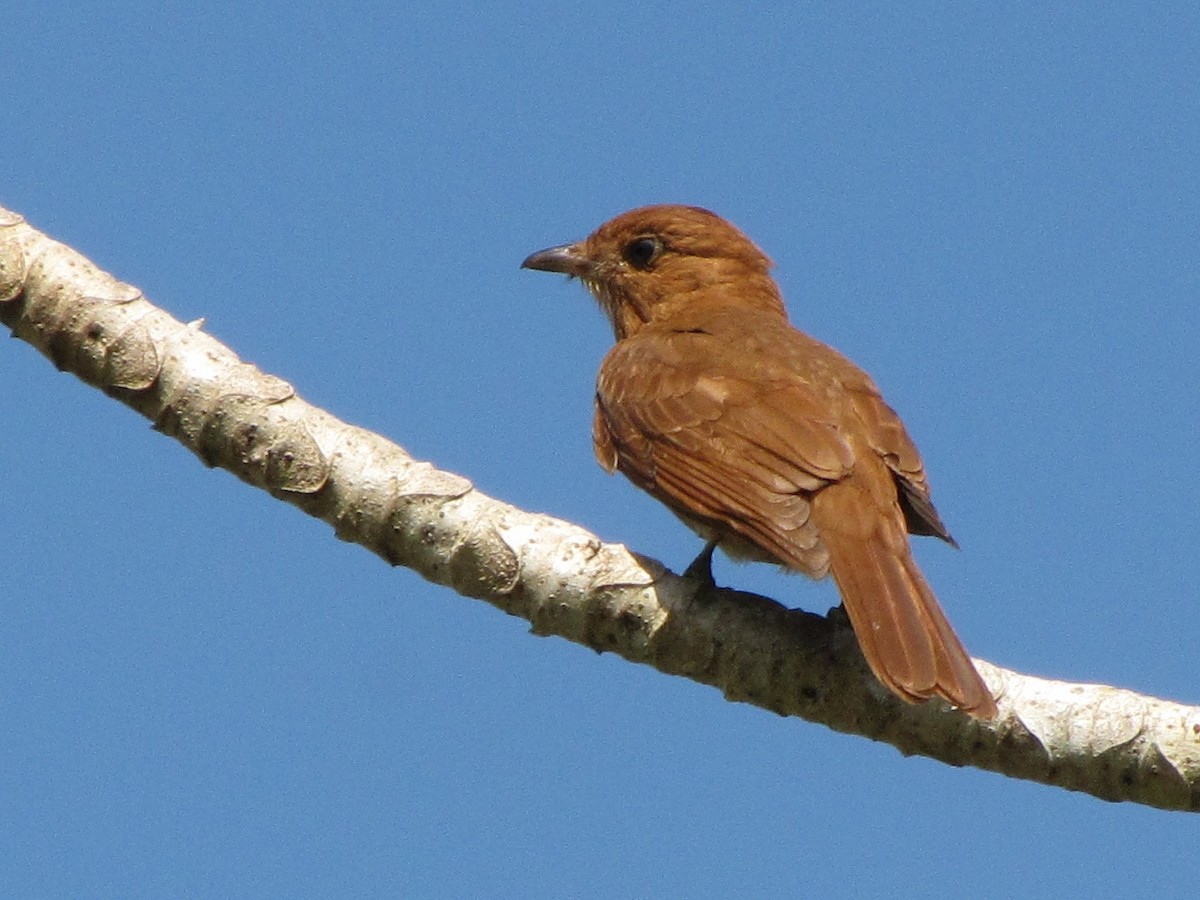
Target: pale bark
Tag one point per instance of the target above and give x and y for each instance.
(1112, 743)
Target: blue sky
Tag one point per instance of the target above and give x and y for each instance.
(204, 693)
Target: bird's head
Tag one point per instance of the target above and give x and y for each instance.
(653, 263)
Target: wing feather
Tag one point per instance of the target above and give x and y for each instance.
(888, 437)
(746, 454)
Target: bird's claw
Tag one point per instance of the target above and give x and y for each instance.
(701, 567)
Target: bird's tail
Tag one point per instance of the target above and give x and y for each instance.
(904, 635)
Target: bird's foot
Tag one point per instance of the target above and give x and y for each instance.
(838, 616)
(701, 567)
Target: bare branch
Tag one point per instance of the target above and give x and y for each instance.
(1111, 743)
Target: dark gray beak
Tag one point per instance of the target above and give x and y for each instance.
(568, 259)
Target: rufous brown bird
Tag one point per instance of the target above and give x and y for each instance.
(765, 441)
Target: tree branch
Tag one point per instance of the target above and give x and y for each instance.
(1112, 743)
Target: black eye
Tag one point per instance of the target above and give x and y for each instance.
(642, 252)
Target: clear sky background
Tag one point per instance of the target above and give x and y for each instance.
(204, 693)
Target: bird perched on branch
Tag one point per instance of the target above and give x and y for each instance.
(766, 442)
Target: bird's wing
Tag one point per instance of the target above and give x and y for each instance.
(744, 453)
(887, 436)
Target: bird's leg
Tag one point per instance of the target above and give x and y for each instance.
(701, 567)
(838, 615)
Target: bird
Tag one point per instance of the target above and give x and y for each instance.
(768, 443)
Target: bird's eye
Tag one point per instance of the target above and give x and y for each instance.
(642, 252)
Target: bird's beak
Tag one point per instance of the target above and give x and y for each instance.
(569, 259)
